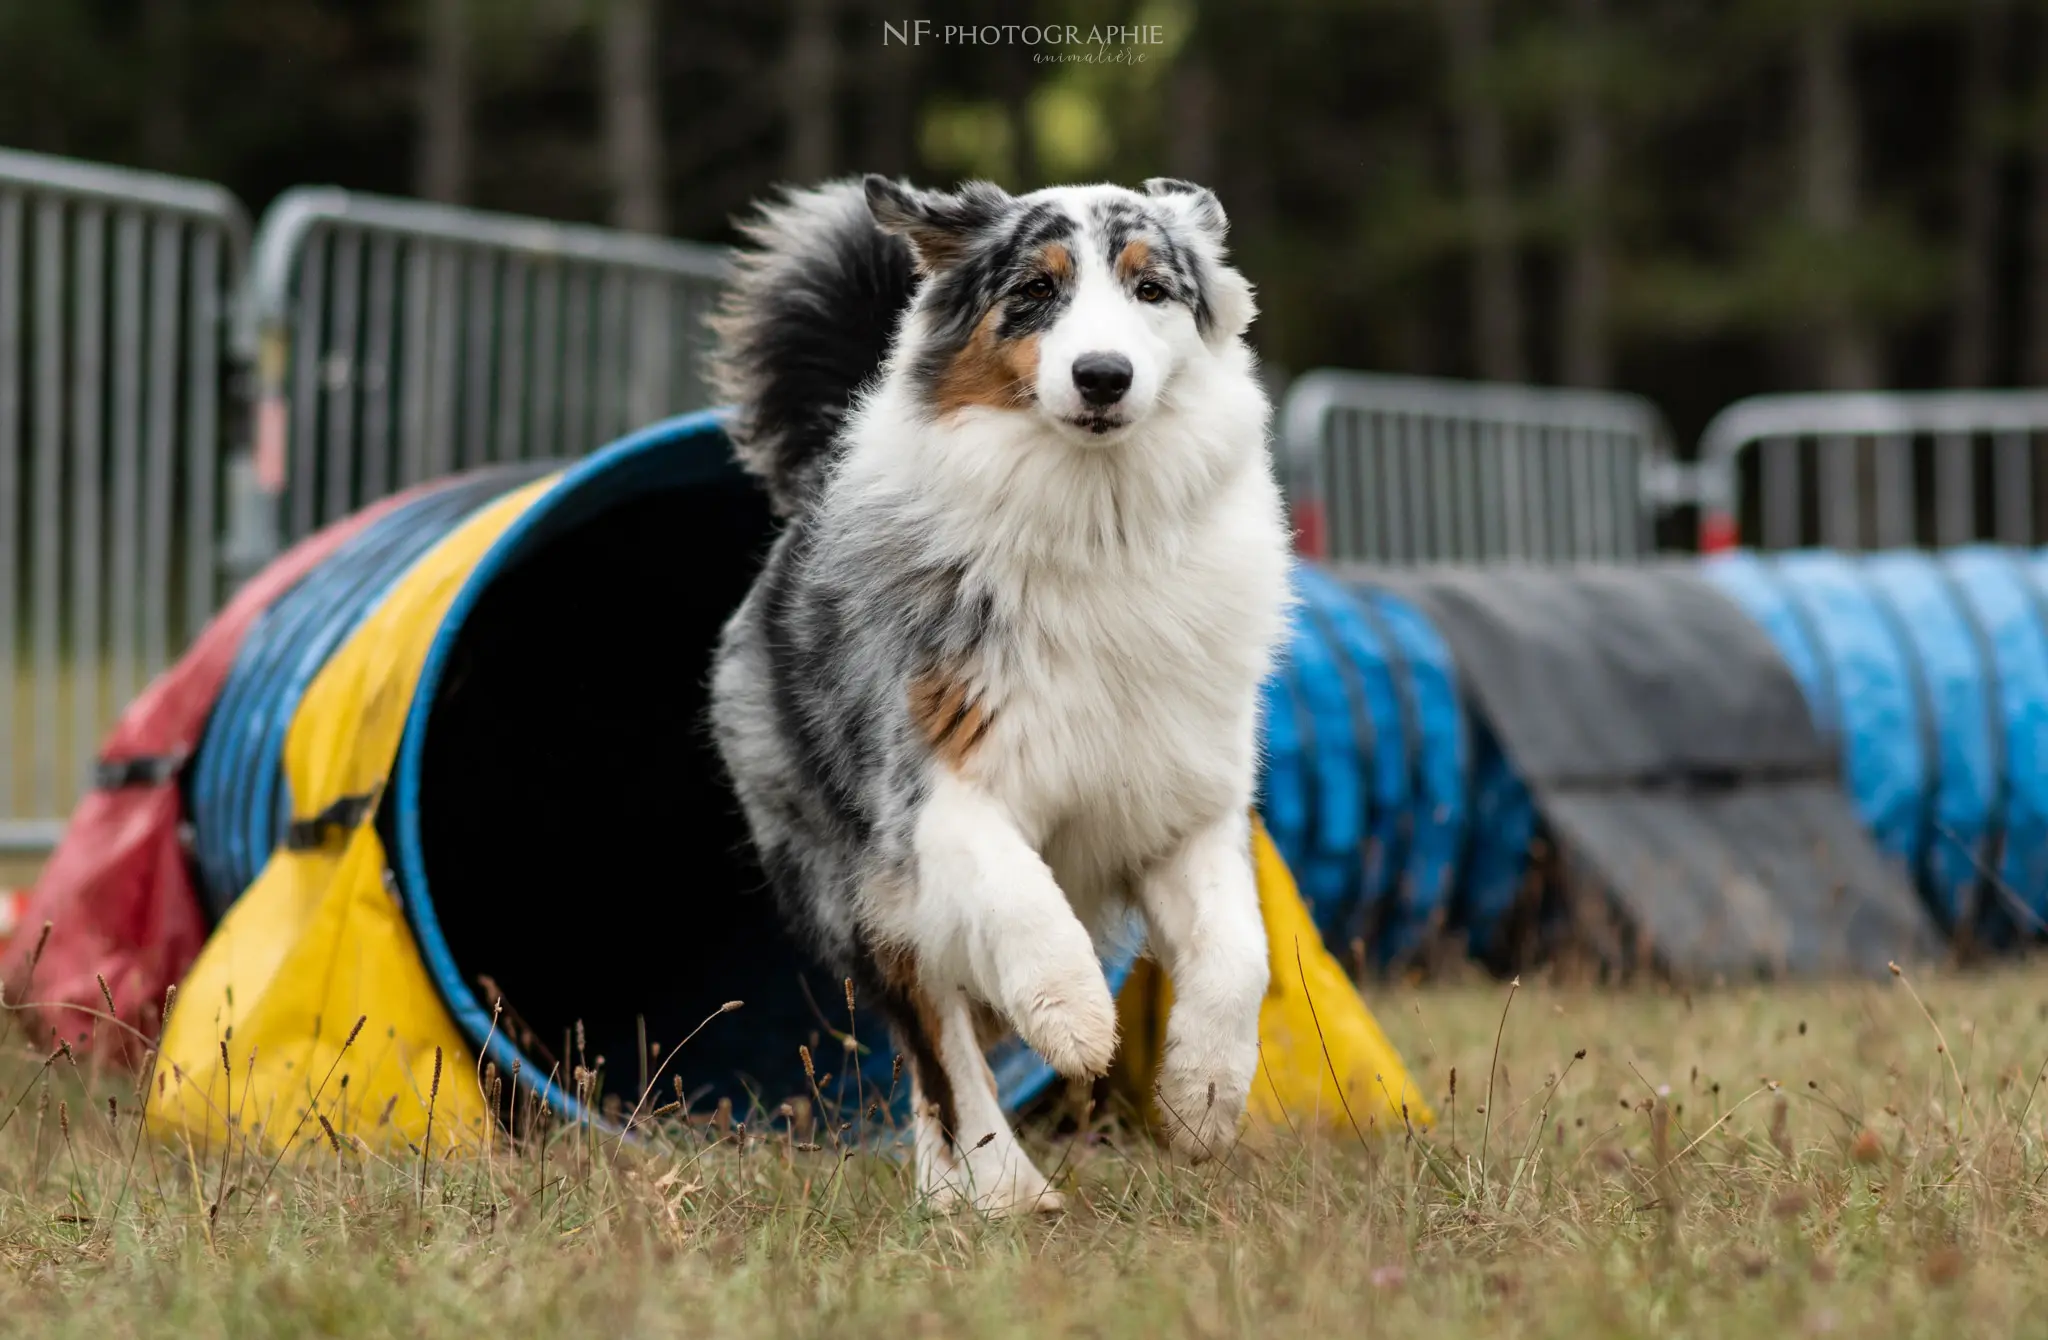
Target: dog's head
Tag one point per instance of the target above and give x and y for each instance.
(1080, 304)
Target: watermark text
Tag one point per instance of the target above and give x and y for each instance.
(918, 32)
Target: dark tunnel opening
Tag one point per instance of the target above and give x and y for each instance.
(586, 859)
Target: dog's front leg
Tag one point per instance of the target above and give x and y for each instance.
(987, 914)
(1202, 907)
(967, 1155)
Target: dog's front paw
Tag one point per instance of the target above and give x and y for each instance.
(1049, 985)
(1070, 1020)
(1202, 1099)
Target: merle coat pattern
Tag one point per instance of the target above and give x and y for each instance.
(998, 679)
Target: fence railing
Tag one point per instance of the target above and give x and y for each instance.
(115, 287)
(396, 340)
(1857, 470)
(1403, 470)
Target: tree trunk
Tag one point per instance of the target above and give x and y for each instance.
(441, 171)
(889, 107)
(166, 129)
(1584, 341)
(1847, 353)
(2037, 228)
(1969, 353)
(632, 116)
(1191, 149)
(1496, 299)
(808, 88)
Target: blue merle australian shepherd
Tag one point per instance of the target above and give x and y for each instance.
(998, 681)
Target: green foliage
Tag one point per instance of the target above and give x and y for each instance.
(1330, 127)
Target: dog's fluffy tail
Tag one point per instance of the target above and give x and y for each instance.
(808, 318)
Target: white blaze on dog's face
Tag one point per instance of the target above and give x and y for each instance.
(1081, 305)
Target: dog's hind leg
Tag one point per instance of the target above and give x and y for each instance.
(986, 913)
(1202, 908)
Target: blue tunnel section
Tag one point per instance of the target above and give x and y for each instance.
(1932, 671)
(1372, 770)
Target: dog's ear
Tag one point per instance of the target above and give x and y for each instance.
(936, 224)
(1228, 302)
(1198, 204)
(1231, 304)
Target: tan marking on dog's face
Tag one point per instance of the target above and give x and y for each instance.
(1057, 262)
(1132, 260)
(952, 721)
(990, 370)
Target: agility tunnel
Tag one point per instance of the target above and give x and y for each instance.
(1431, 730)
(452, 779)
(1805, 762)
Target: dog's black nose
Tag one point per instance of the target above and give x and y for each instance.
(1102, 379)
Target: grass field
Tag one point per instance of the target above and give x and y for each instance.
(1744, 1162)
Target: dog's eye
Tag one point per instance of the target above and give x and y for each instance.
(1038, 288)
(1151, 291)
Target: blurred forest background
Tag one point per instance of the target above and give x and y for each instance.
(1696, 199)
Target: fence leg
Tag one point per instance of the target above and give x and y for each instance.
(251, 539)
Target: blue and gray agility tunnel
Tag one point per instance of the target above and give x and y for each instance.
(1430, 725)
(1808, 762)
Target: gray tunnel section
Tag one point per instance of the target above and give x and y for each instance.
(1675, 757)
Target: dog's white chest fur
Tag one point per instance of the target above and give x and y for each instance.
(1141, 590)
(1126, 697)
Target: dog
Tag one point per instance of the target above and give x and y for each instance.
(998, 680)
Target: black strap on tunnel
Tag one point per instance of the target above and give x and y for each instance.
(1990, 855)
(142, 770)
(1365, 739)
(343, 815)
(1928, 729)
(1399, 671)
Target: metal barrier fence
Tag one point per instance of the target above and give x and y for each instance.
(1876, 470)
(392, 340)
(114, 291)
(396, 340)
(1403, 470)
